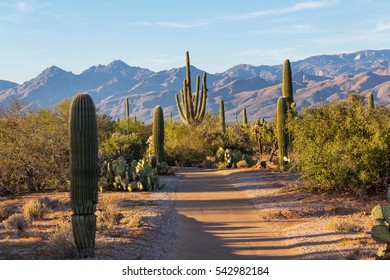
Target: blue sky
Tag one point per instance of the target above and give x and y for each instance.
(219, 34)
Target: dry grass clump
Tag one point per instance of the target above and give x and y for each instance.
(346, 225)
(135, 221)
(61, 243)
(107, 215)
(49, 202)
(17, 222)
(242, 164)
(34, 210)
(6, 210)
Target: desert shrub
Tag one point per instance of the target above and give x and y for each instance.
(49, 202)
(135, 221)
(6, 210)
(17, 222)
(107, 214)
(343, 146)
(60, 244)
(129, 140)
(34, 210)
(192, 145)
(242, 164)
(346, 225)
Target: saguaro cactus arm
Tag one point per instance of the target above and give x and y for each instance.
(192, 109)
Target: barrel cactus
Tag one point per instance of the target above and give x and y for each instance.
(84, 172)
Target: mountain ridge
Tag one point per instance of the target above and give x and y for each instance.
(317, 78)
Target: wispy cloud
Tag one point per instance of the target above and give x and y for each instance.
(240, 17)
(182, 25)
(288, 10)
(382, 27)
(297, 28)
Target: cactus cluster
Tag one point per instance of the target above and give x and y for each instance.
(120, 176)
(230, 157)
(193, 108)
(84, 172)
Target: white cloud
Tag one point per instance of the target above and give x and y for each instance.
(382, 27)
(181, 25)
(24, 7)
(295, 8)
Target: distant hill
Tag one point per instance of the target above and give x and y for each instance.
(316, 79)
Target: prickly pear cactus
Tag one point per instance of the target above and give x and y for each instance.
(380, 232)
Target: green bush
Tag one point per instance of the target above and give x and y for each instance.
(342, 146)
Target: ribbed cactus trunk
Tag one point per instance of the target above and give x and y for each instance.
(127, 109)
(287, 89)
(158, 133)
(84, 172)
(244, 118)
(222, 116)
(192, 108)
(371, 101)
(281, 116)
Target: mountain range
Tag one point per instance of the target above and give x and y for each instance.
(315, 79)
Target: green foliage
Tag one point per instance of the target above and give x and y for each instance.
(191, 109)
(158, 133)
(34, 149)
(129, 140)
(343, 147)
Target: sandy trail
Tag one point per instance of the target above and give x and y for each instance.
(215, 221)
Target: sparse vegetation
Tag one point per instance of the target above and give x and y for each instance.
(34, 210)
(17, 222)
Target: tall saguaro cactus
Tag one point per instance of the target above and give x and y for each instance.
(127, 109)
(222, 116)
(281, 115)
(244, 118)
(287, 89)
(158, 133)
(192, 108)
(84, 172)
(370, 101)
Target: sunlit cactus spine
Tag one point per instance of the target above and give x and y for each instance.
(281, 116)
(222, 116)
(244, 118)
(371, 101)
(192, 108)
(84, 172)
(158, 133)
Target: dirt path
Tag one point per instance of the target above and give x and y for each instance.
(215, 221)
